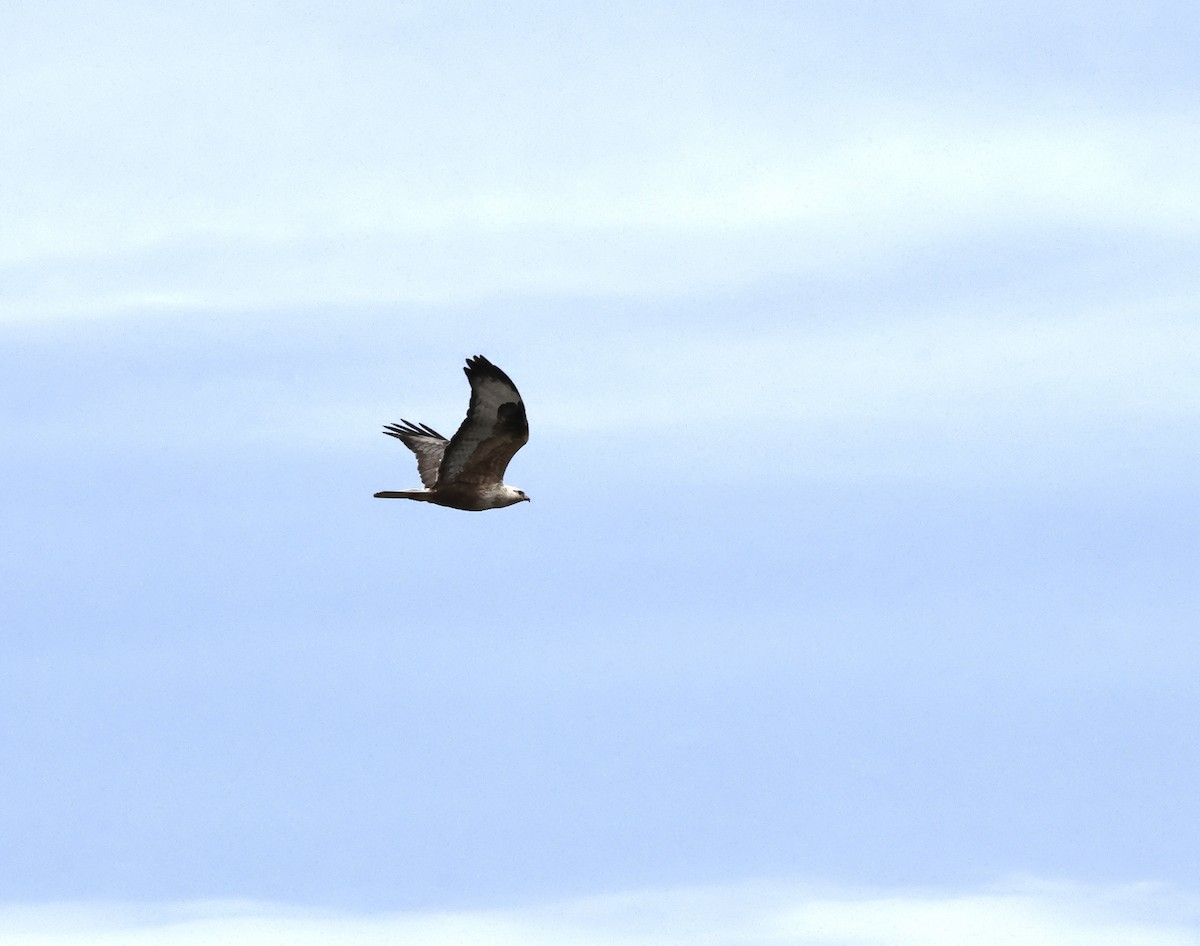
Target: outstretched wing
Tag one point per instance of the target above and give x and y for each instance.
(495, 428)
(425, 442)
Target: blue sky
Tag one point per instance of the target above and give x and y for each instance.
(856, 600)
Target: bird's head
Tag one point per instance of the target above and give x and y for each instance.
(512, 496)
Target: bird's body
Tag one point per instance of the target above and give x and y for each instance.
(468, 498)
(467, 471)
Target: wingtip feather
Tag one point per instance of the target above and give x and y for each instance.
(480, 367)
(406, 428)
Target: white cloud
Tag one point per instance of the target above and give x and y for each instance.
(993, 919)
(705, 210)
(253, 158)
(745, 915)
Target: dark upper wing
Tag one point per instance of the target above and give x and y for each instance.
(425, 442)
(494, 430)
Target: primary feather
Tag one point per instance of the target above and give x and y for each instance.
(425, 442)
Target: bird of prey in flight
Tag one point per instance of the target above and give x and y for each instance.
(467, 471)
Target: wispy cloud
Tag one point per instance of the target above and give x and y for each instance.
(1033, 915)
(249, 158)
(704, 211)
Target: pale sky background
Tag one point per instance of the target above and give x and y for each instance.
(857, 599)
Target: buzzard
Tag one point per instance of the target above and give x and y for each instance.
(467, 471)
